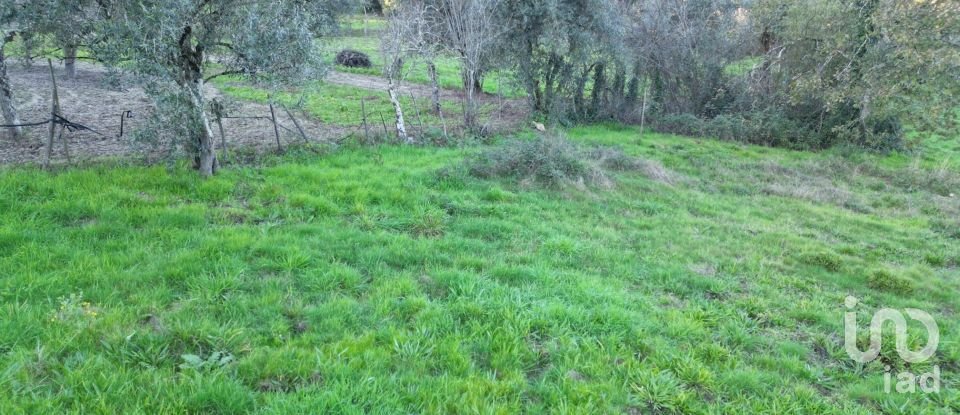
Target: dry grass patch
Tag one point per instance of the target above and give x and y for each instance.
(553, 161)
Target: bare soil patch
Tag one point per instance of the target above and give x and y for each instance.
(90, 100)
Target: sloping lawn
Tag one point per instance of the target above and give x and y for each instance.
(365, 282)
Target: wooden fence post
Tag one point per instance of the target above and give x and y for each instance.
(54, 113)
(296, 124)
(276, 131)
(643, 110)
(366, 128)
(383, 121)
(218, 112)
(419, 118)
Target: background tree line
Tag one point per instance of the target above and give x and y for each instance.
(804, 73)
(807, 73)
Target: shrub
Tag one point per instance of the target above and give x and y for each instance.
(549, 161)
(353, 59)
(824, 259)
(614, 159)
(554, 161)
(373, 6)
(763, 128)
(885, 280)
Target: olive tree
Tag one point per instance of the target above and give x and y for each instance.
(556, 46)
(857, 70)
(172, 43)
(6, 92)
(70, 24)
(9, 14)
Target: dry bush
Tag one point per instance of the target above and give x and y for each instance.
(549, 161)
(554, 161)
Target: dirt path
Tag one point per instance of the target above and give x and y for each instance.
(377, 83)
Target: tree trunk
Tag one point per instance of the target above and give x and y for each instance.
(548, 78)
(643, 110)
(470, 105)
(70, 61)
(617, 94)
(579, 101)
(599, 89)
(472, 82)
(191, 65)
(435, 85)
(865, 130)
(6, 95)
(207, 156)
(401, 127)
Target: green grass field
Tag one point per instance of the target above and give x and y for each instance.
(340, 104)
(364, 281)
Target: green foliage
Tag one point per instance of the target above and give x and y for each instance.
(824, 259)
(268, 42)
(855, 71)
(216, 360)
(764, 128)
(886, 280)
(555, 47)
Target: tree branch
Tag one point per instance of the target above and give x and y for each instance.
(224, 73)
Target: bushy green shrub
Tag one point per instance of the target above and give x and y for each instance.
(824, 259)
(885, 280)
(763, 128)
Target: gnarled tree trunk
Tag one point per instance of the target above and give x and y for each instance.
(474, 81)
(470, 104)
(6, 93)
(207, 157)
(191, 80)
